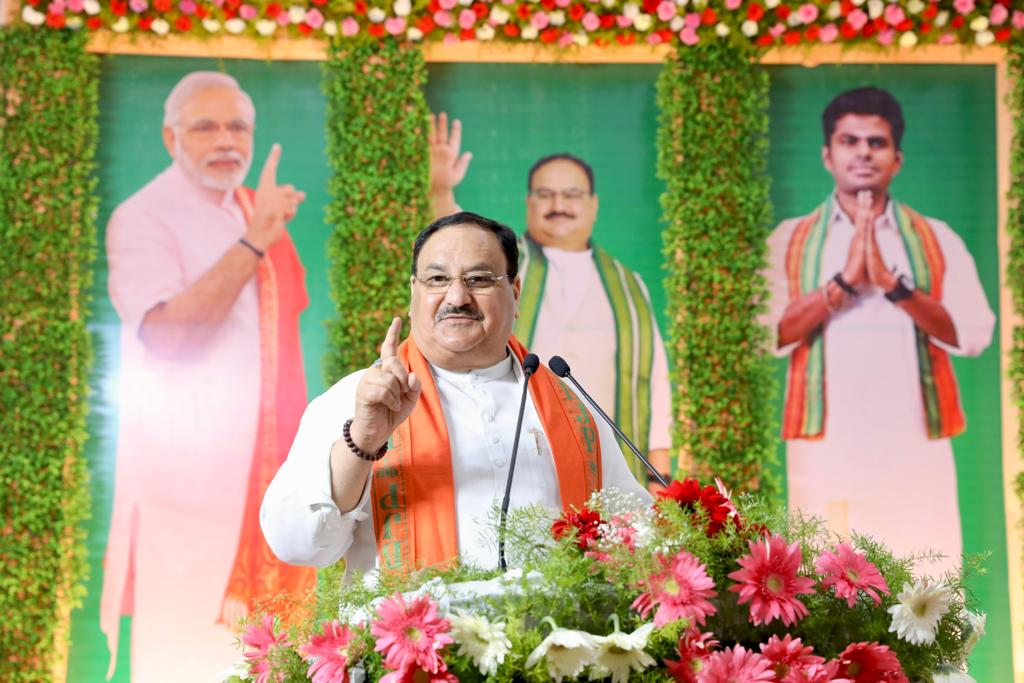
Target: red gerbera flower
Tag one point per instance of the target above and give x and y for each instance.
(770, 583)
(584, 521)
(265, 641)
(694, 648)
(737, 665)
(870, 663)
(411, 635)
(681, 591)
(328, 652)
(689, 494)
(789, 654)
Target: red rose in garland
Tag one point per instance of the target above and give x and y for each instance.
(584, 521)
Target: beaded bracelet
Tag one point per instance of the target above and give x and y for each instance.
(363, 455)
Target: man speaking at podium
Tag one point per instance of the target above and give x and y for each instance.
(397, 465)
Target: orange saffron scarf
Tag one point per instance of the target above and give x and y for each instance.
(413, 485)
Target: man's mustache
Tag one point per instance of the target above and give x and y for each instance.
(559, 214)
(217, 157)
(461, 311)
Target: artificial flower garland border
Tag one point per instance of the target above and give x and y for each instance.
(562, 23)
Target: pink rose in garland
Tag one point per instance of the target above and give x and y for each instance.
(328, 652)
(770, 583)
(411, 636)
(266, 643)
(736, 665)
(850, 572)
(586, 523)
(681, 591)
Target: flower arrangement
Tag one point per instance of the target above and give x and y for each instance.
(764, 23)
(697, 588)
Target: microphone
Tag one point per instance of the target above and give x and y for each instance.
(561, 368)
(530, 365)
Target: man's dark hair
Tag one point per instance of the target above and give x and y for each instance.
(864, 101)
(505, 236)
(561, 156)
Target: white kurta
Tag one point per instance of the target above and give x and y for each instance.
(876, 471)
(576, 322)
(303, 525)
(187, 430)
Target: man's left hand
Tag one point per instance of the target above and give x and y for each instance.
(878, 273)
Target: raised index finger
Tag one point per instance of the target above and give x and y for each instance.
(268, 176)
(389, 349)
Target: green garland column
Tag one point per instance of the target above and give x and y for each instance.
(49, 89)
(377, 147)
(712, 155)
(1015, 231)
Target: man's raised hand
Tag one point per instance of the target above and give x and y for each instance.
(275, 204)
(448, 164)
(385, 396)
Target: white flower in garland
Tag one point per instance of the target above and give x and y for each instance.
(979, 23)
(677, 23)
(121, 25)
(771, 4)
(331, 28)
(984, 38)
(619, 653)
(749, 28)
(376, 15)
(916, 617)
(211, 25)
(643, 22)
(414, 33)
(567, 652)
(631, 10)
(296, 14)
(91, 7)
(266, 27)
(942, 18)
(74, 22)
(915, 6)
(485, 32)
(556, 18)
(235, 25)
(530, 32)
(834, 11)
(875, 8)
(33, 18)
(722, 29)
(581, 39)
(977, 622)
(485, 643)
(908, 39)
(402, 8)
(499, 15)
(160, 27)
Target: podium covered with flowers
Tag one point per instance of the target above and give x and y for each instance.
(699, 587)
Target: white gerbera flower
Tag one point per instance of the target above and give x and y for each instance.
(236, 670)
(618, 653)
(567, 652)
(916, 618)
(485, 643)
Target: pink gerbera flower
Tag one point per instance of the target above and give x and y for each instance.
(694, 648)
(681, 591)
(410, 635)
(870, 663)
(328, 652)
(736, 665)
(769, 581)
(262, 637)
(826, 672)
(788, 654)
(849, 571)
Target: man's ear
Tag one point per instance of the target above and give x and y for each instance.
(826, 158)
(169, 140)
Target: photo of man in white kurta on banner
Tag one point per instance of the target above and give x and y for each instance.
(869, 299)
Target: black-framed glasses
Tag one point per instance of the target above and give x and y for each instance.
(476, 282)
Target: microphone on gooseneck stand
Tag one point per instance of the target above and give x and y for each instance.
(561, 368)
(530, 365)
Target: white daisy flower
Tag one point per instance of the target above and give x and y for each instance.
(619, 653)
(916, 617)
(567, 652)
(485, 643)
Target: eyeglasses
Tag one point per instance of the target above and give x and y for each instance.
(476, 282)
(572, 195)
(209, 129)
